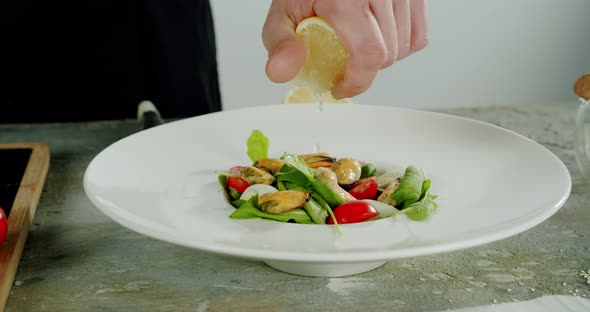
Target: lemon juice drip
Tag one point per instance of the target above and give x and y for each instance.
(319, 108)
(319, 103)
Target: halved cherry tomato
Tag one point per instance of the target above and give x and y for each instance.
(236, 170)
(3, 226)
(365, 188)
(353, 212)
(237, 183)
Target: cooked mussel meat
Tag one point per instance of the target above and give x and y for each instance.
(281, 201)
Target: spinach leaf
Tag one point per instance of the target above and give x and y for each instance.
(295, 187)
(222, 179)
(324, 204)
(368, 170)
(299, 163)
(331, 197)
(281, 186)
(425, 188)
(290, 173)
(249, 210)
(225, 173)
(422, 210)
(238, 203)
(410, 188)
(316, 211)
(233, 193)
(257, 146)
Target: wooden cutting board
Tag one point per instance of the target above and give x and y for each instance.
(23, 169)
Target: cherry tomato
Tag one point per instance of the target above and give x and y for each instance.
(353, 212)
(3, 226)
(236, 170)
(365, 188)
(237, 183)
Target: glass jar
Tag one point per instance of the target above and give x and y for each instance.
(582, 139)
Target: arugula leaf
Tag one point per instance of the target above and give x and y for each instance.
(257, 146)
(410, 188)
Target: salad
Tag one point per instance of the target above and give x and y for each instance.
(321, 189)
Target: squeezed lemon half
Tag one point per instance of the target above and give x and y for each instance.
(326, 57)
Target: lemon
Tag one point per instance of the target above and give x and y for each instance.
(307, 95)
(326, 57)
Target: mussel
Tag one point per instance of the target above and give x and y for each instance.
(253, 175)
(281, 201)
(317, 160)
(270, 165)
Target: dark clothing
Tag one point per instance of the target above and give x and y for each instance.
(76, 60)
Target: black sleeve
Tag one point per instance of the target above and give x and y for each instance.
(75, 60)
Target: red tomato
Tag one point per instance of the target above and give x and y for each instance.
(236, 170)
(237, 183)
(365, 188)
(353, 212)
(3, 226)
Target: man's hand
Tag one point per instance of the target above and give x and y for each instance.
(376, 34)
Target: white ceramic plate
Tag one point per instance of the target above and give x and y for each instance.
(492, 184)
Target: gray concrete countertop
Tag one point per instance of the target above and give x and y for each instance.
(77, 259)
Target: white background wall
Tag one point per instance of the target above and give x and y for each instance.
(494, 52)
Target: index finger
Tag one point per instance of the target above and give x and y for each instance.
(359, 32)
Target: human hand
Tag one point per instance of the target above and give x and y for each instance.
(376, 34)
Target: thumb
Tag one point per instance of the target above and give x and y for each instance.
(285, 59)
(286, 52)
